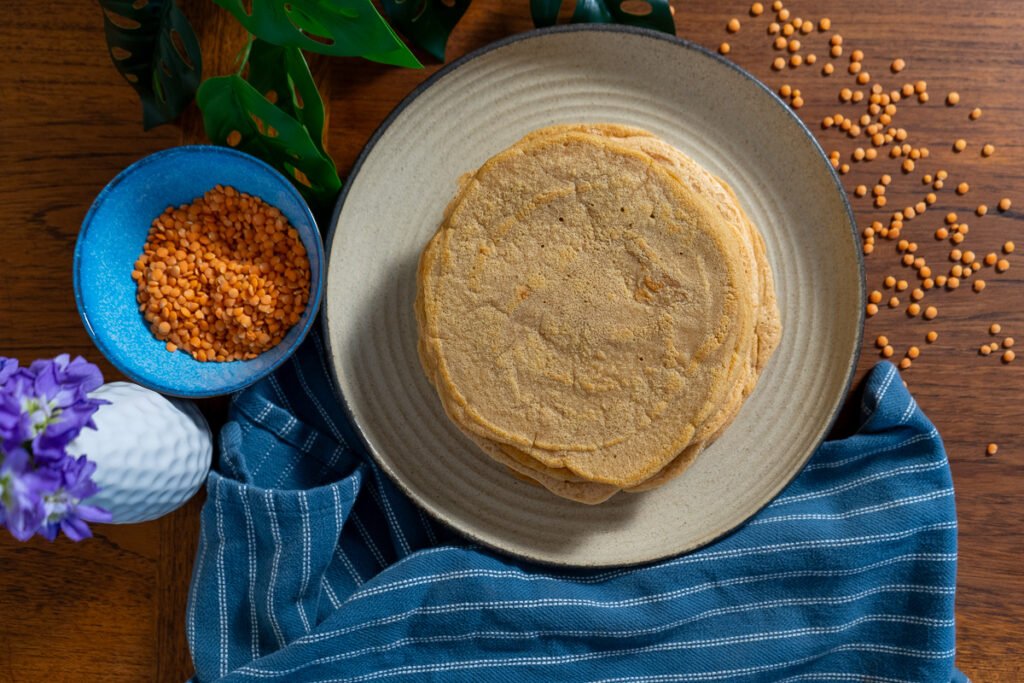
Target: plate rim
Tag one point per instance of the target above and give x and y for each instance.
(480, 52)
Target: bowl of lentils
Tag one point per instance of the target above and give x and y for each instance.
(198, 270)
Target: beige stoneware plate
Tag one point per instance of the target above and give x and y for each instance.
(711, 110)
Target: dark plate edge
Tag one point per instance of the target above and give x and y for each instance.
(572, 28)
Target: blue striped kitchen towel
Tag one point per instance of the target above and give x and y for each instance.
(312, 566)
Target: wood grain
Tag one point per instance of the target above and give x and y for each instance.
(113, 608)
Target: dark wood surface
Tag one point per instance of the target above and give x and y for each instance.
(112, 608)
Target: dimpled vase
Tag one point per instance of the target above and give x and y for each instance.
(152, 453)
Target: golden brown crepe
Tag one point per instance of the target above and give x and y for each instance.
(594, 307)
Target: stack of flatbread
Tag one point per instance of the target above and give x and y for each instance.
(594, 309)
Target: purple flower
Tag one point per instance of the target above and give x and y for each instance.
(63, 382)
(54, 396)
(15, 425)
(64, 508)
(22, 489)
(7, 368)
(42, 409)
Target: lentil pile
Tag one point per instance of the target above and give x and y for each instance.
(865, 116)
(223, 278)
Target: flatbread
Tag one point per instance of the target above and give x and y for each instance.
(622, 286)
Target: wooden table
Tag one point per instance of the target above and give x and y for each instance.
(112, 608)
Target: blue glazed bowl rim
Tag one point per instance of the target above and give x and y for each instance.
(312, 307)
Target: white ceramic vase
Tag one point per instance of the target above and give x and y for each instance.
(152, 453)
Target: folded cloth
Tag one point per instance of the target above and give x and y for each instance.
(312, 566)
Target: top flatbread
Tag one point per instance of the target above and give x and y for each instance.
(580, 304)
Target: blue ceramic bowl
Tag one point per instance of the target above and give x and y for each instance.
(112, 237)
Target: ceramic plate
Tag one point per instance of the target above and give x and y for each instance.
(711, 110)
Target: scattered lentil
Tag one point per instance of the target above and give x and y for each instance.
(1004, 204)
(960, 145)
(987, 150)
(975, 114)
(953, 98)
(825, 24)
(992, 449)
(904, 363)
(1008, 356)
(887, 351)
(930, 313)
(1008, 342)
(889, 282)
(724, 48)
(871, 309)
(995, 328)
(1008, 247)
(733, 26)
(931, 336)
(756, 9)
(984, 350)
(894, 302)
(913, 309)
(1002, 265)
(897, 65)
(827, 69)
(978, 285)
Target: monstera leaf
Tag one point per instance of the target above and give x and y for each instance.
(655, 14)
(342, 28)
(282, 76)
(427, 23)
(276, 115)
(155, 49)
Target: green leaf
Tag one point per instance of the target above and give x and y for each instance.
(591, 11)
(654, 14)
(341, 28)
(155, 49)
(282, 76)
(237, 115)
(427, 23)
